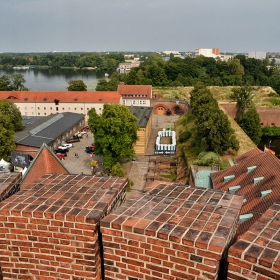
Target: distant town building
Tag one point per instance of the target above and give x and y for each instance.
(208, 52)
(171, 52)
(257, 54)
(125, 67)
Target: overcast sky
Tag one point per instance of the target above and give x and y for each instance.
(139, 25)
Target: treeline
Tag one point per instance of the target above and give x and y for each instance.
(211, 130)
(102, 62)
(189, 71)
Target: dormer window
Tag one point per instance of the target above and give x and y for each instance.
(56, 101)
(265, 193)
(245, 217)
(227, 178)
(256, 180)
(75, 99)
(100, 99)
(234, 188)
(25, 98)
(45, 98)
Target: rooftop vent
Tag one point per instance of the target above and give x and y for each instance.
(234, 188)
(227, 178)
(265, 193)
(256, 180)
(250, 168)
(245, 217)
(244, 200)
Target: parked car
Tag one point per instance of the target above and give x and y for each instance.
(63, 148)
(78, 135)
(89, 149)
(59, 151)
(60, 156)
(68, 145)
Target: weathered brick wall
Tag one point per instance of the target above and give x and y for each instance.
(170, 232)
(9, 184)
(50, 231)
(256, 254)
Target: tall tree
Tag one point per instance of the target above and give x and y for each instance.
(251, 124)
(10, 110)
(7, 143)
(115, 133)
(243, 98)
(76, 85)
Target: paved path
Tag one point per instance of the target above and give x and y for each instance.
(135, 170)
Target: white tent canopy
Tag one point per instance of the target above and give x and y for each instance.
(4, 165)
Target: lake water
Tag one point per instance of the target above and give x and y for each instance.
(55, 79)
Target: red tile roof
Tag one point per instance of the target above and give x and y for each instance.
(45, 162)
(62, 96)
(266, 166)
(259, 246)
(135, 89)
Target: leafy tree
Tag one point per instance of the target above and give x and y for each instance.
(76, 85)
(251, 124)
(17, 81)
(10, 110)
(115, 133)
(117, 170)
(243, 98)
(7, 144)
(5, 83)
(13, 82)
(111, 85)
(93, 164)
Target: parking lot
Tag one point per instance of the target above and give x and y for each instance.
(77, 165)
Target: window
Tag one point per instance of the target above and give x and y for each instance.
(56, 108)
(44, 108)
(140, 102)
(38, 114)
(123, 102)
(62, 108)
(81, 109)
(99, 109)
(75, 109)
(144, 102)
(50, 108)
(38, 108)
(25, 108)
(133, 102)
(45, 114)
(87, 109)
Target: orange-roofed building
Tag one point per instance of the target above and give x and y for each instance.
(44, 103)
(135, 95)
(255, 176)
(45, 162)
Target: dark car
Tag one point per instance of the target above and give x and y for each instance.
(59, 151)
(89, 149)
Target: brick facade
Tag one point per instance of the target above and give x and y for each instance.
(9, 184)
(170, 232)
(50, 231)
(256, 255)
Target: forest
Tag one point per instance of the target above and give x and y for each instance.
(154, 70)
(238, 71)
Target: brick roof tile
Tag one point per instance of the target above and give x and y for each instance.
(267, 166)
